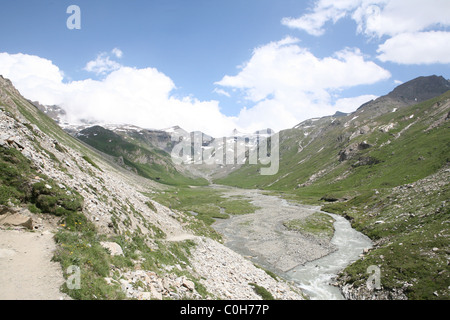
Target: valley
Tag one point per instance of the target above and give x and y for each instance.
(353, 191)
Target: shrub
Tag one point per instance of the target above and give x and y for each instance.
(262, 292)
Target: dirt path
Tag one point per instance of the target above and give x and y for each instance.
(26, 269)
(263, 238)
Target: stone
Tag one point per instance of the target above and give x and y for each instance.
(113, 248)
(155, 294)
(144, 296)
(188, 284)
(16, 220)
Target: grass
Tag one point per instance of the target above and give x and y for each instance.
(262, 292)
(410, 227)
(91, 162)
(208, 204)
(19, 187)
(78, 241)
(145, 161)
(413, 245)
(203, 206)
(81, 247)
(318, 225)
(408, 158)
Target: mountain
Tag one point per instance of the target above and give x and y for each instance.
(331, 149)
(104, 221)
(420, 89)
(410, 93)
(386, 168)
(133, 149)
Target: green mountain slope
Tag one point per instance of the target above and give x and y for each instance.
(363, 150)
(135, 154)
(386, 168)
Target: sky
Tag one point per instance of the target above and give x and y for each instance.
(217, 65)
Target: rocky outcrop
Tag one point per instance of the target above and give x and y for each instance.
(352, 150)
(15, 218)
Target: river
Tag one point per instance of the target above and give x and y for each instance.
(314, 277)
(310, 262)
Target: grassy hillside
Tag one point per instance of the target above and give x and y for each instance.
(394, 149)
(148, 162)
(388, 173)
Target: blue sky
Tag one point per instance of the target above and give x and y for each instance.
(214, 65)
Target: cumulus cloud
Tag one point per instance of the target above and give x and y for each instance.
(125, 96)
(375, 17)
(394, 17)
(348, 105)
(417, 48)
(287, 83)
(102, 65)
(410, 24)
(221, 92)
(282, 84)
(323, 12)
(117, 53)
(35, 76)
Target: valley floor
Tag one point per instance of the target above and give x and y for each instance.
(263, 237)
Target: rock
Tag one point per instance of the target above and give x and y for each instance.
(16, 220)
(155, 294)
(144, 296)
(188, 284)
(113, 248)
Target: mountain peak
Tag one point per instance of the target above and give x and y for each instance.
(420, 89)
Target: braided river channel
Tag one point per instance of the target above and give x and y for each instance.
(309, 262)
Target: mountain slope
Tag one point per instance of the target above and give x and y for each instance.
(367, 148)
(136, 155)
(125, 245)
(386, 168)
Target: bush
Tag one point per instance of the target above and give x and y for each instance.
(262, 292)
(51, 199)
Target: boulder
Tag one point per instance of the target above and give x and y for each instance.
(16, 220)
(113, 248)
(188, 284)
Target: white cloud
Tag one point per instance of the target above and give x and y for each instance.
(37, 77)
(348, 105)
(417, 48)
(324, 11)
(283, 84)
(125, 96)
(375, 17)
(287, 83)
(103, 64)
(117, 53)
(221, 92)
(405, 22)
(394, 17)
